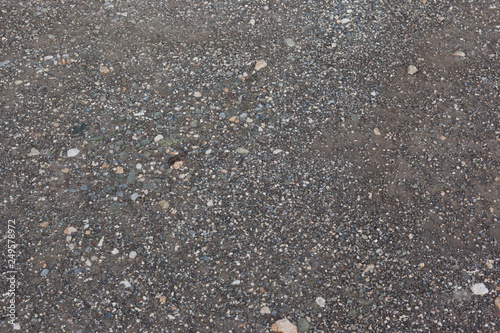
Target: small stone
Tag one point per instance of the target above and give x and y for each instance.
(376, 131)
(277, 151)
(138, 166)
(119, 170)
(284, 326)
(65, 170)
(101, 242)
(459, 54)
(69, 230)
(303, 325)
(208, 151)
(197, 94)
(234, 119)
(170, 317)
(164, 204)
(134, 196)
(260, 64)
(115, 251)
(236, 283)
(321, 302)
(44, 224)
(158, 138)
(497, 302)
(125, 284)
(241, 150)
(345, 20)
(163, 299)
(132, 255)
(34, 152)
(265, 310)
(251, 22)
(479, 289)
(210, 203)
(18, 82)
(411, 70)
(104, 70)
(44, 272)
(289, 42)
(177, 165)
(73, 152)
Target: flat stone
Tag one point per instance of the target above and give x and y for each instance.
(284, 326)
(44, 272)
(289, 42)
(265, 310)
(411, 70)
(132, 255)
(104, 70)
(163, 204)
(459, 54)
(241, 150)
(303, 325)
(321, 302)
(72, 152)
(479, 289)
(34, 152)
(260, 64)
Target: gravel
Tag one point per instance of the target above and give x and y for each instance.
(219, 166)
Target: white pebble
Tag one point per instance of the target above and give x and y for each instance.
(345, 20)
(210, 203)
(115, 251)
(134, 196)
(411, 70)
(479, 289)
(376, 131)
(236, 283)
(126, 284)
(197, 94)
(265, 310)
(138, 166)
(73, 152)
(158, 137)
(251, 22)
(321, 302)
(132, 254)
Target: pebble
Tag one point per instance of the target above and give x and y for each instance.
(125, 284)
(132, 254)
(321, 302)
(284, 326)
(236, 283)
(289, 42)
(101, 242)
(197, 94)
(251, 22)
(376, 131)
(69, 230)
(265, 310)
(208, 151)
(73, 152)
(260, 64)
(119, 170)
(277, 151)
(104, 70)
(459, 54)
(163, 204)
(479, 289)
(303, 325)
(497, 302)
(158, 137)
(345, 20)
(4, 63)
(134, 196)
(34, 152)
(210, 203)
(18, 82)
(411, 70)
(241, 150)
(44, 272)
(177, 165)
(138, 166)
(115, 251)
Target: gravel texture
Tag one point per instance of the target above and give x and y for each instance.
(234, 166)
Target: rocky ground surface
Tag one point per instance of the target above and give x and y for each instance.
(250, 166)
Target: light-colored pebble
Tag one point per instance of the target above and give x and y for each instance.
(34, 152)
(69, 230)
(241, 150)
(197, 94)
(321, 302)
(115, 251)
(158, 138)
(411, 70)
(134, 196)
(251, 22)
(104, 70)
(132, 255)
(72, 152)
(289, 42)
(260, 64)
(376, 131)
(265, 310)
(163, 204)
(284, 326)
(236, 283)
(479, 289)
(459, 54)
(125, 284)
